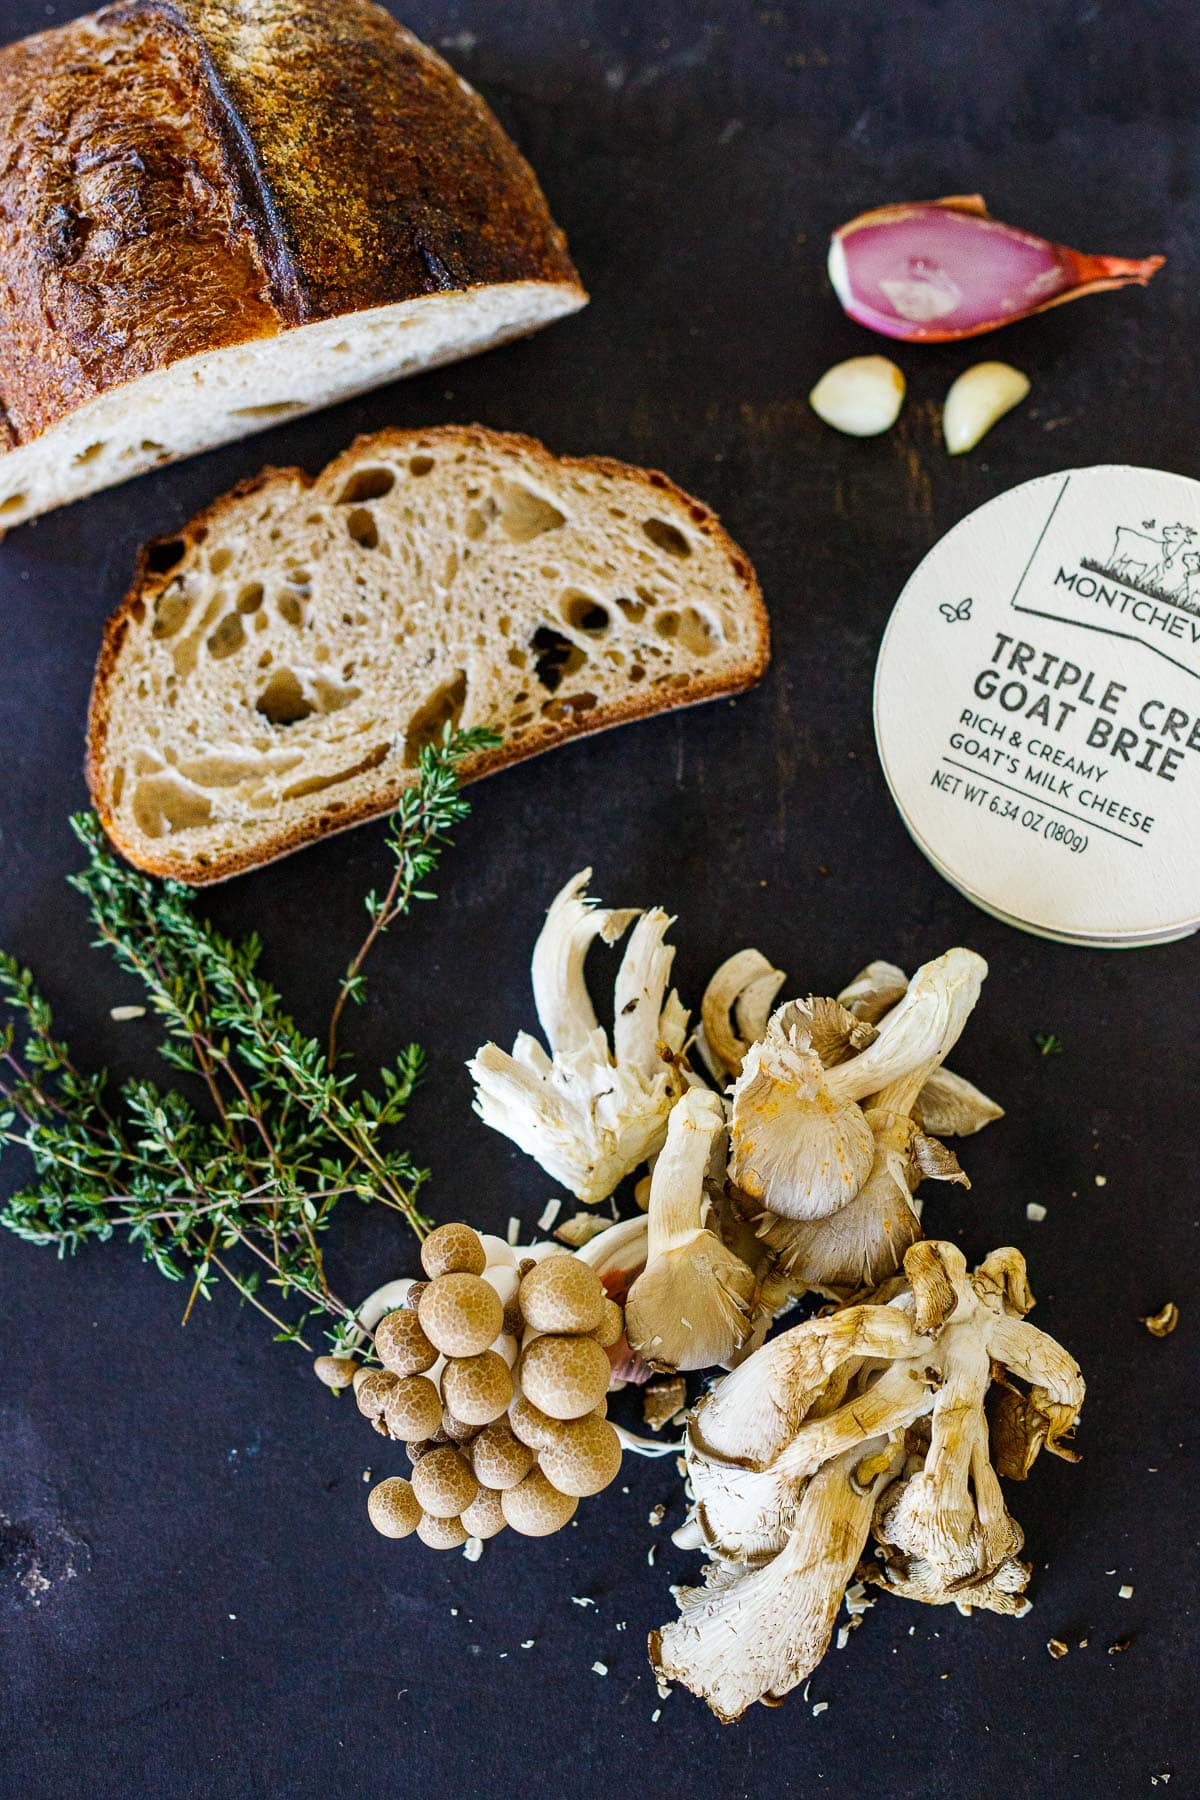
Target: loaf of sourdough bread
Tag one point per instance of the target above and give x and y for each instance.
(220, 213)
(276, 669)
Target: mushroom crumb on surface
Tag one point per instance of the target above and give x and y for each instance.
(1162, 1323)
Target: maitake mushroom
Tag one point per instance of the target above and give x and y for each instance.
(589, 1113)
(870, 1420)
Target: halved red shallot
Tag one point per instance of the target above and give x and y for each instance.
(936, 270)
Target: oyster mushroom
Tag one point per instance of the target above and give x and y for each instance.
(690, 1306)
(871, 1419)
(588, 1113)
(862, 1244)
(755, 1633)
(948, 1106)
(800, 1141)
(745, 987)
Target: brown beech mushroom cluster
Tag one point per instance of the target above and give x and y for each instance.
(870, 1423)
(494, 1375)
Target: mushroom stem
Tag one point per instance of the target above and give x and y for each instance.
(689, 1308)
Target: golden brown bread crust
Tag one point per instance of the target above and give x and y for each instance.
(155, 570)
(177, 176)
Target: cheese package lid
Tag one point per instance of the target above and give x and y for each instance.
(1037, 706)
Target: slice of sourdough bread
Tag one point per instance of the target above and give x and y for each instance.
(275, 670)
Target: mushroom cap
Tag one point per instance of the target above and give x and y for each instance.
(499, 1457)
(414, 1408)
(611, 1328)
(584, 1458)
(453, 1250)
(531, 1425)
(415, 1452)
(477, 1389)
(441, 1534)
(561, 1293)
(564, 1376)
(535, 1508)
(443, 1483)
(372, 1391)
(412, 1299)
(393, 1508)
(335, 1372)
(460, 1314)
(485, 1515)
(401, 1344)
(456, 1430)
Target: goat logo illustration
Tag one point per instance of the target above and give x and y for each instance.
(1160, 560)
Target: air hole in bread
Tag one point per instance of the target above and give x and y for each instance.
(171, 610)
(229, 636)
(118, 787)
(89, 455)
(476, 523)
(524, 515)
(150, 448)
(317, 784)
(363, 529)
(332, 697)
(220, 559)
(420, 465)
(692, 629)
(290, 607)
(250, 598)
(556, 657)
(636, 672)
(275, 409)
(367, 484)
(443, 707)
(568, 706)
(162, 805)
(282, 701)
(666, 537)
(584, 613)
(634, 610)
(164, 556)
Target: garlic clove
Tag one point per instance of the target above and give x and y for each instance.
(977, 400)
(933, 270)
(861, 397)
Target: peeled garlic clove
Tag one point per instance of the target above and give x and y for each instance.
(933, 270)
(861, 397)
(980, 396)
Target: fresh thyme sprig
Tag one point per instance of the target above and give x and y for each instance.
(236, 1179)
(420, 829)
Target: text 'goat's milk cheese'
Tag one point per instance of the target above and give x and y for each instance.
(1037, 706)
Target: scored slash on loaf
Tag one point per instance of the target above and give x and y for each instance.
(277, 668)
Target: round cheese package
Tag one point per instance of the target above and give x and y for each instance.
(1037, 706)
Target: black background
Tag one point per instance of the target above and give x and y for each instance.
(220, 1620)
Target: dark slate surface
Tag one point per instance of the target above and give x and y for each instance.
(192, 1602)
